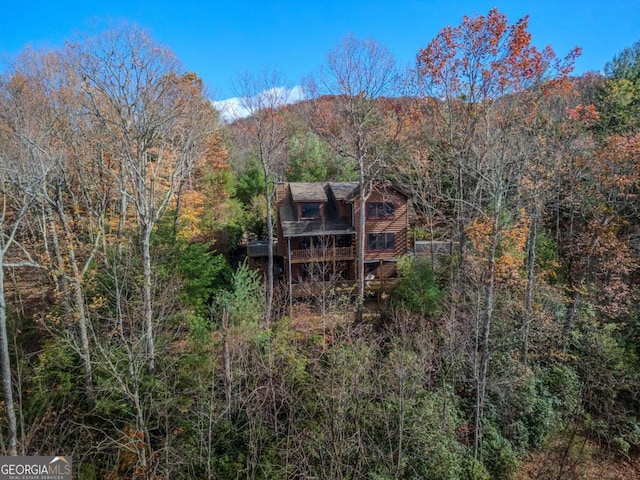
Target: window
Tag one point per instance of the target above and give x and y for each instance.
(380, 210)
(309, 211)
(382, 241)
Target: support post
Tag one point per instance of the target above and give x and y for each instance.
(289, 275)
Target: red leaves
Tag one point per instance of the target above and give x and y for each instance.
(485, 57)
(585, 114)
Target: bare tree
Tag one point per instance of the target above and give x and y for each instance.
(154, 120)
(72, 198)
(20, 182)
(326, 286)
(348, 114)
(261, 99)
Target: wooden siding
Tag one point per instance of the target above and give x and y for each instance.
(399, 225)
(344, 210)
(280, 192)
(282, 242)
(282, 195)
(338, 263)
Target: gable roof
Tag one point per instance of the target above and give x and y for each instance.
(308, 192)
(343, 190)
(322, 191)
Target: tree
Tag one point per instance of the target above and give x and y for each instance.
(310, 159)
(618, 102)
(265, 131)
(348, 113)
(73, 199)
(154, 121)
(21, 178)
(486, 78)
(625, 65)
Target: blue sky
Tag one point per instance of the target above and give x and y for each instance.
(220, 39)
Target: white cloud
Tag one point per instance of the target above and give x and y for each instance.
(234, 108)
(230, 109)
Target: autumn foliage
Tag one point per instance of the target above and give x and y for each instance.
(137, 337)
(485, 57)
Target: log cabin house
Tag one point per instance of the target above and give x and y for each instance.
(317, 228)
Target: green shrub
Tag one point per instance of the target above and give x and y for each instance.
(203, 273)
(417, 289)
(497, 454)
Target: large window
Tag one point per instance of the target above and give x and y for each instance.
(380, 210)
(382, 241)
(309, 211)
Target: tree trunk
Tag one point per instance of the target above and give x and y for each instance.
(61, 281)
(269, 307)
(570, 315)
(362, 199)
(78, 300)
(528, 301)
(7, 385)
(142, 437)
(226, 358)
(85, 354)
(146, 296)
(486, 318)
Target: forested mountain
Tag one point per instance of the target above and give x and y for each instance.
(136, 337)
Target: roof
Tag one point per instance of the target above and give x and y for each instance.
(319, 191)
(322, 192)
(343, 190)
(308, 192)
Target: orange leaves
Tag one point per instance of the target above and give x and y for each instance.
(624, 150)
(605, 261)
(509, 265)
(479, 233)
(614, 170)
(485, 57)
(216, 153)
(585, 114)
(511, 246)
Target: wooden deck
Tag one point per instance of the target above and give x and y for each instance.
(320, 254)
(315, 289)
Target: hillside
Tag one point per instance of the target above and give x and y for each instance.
(139, 341)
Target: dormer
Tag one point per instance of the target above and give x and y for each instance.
(310, 210)
(309, 200)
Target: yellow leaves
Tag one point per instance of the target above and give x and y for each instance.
(509, 265)
(511, 244)
(191, 212)
(97, 302)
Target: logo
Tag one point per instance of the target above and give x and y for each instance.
(35, 468)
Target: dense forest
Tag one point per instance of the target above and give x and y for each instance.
(137, 337)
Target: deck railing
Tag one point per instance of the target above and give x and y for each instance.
(322, 254)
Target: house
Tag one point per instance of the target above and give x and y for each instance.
(317, 229)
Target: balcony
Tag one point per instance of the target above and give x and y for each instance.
(323, 254)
